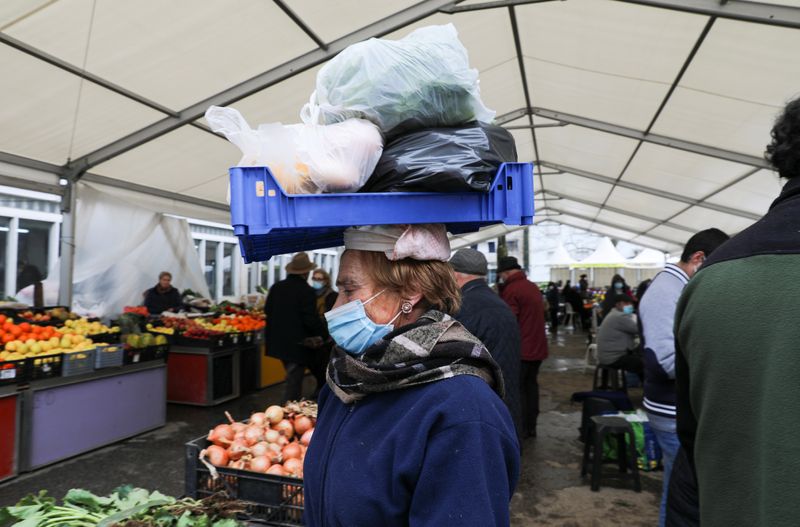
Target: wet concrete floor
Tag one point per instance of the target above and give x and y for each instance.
(551, 491)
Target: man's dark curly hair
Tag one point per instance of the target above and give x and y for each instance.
(784, 150)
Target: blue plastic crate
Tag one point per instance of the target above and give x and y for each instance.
(268, 221)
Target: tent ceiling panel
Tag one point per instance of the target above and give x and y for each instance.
(39, 114)
(700, 218)
(754, 194)
(662, 231)
(331, 20)
(641, 203)
(278, 103)
(674, 170)
(13, 10)
(725, 123)
(635, 224)
(501, 87)
(524, 142)
(571, 185)
(585, 149)
(602, 59)
(181, 161)
(567, 206)
(175, 53)
(612, 232)
(655, 243)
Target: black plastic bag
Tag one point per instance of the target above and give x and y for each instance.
(458, 159)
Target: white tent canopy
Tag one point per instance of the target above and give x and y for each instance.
(560, 257)
(606, 255)
(647, 118)
(648, 259)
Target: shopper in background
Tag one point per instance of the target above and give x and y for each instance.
(583, 284)
(736, 360)
(326, 298)
(553, 301)
(657, 320)
(616, 338)
(525, 300)
(573, 298)
(486, 316)
(642, 288)
(411, 427)
(294, 331)
(162, 297)
(618, 287)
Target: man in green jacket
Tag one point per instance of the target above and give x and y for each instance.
(738, 361)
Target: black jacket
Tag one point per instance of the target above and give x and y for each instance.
(157, 302)
(489, 318)
(292, 316)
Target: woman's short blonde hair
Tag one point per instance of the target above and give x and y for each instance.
(433, 279)
(325, 275)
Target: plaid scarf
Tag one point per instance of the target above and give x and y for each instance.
(434, 347)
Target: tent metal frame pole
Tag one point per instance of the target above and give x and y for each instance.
(451, 10)
(151, 191)
(67, 244)
(756, 12)
(635, 215)
(648, 190)
(260, 82)
(10, 181)
(576, 226)
(657, 139)
(609, 224)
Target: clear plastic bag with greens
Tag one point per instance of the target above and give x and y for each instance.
(305, 158)
(421, 81)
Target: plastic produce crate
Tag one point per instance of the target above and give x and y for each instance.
(77, 363)
(108, 356)
(268, 221)
(272, 500)
(137, 355)
(107, 338)
(44, 366)
(215, 343)
(13, 372)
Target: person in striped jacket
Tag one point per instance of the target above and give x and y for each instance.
(657, 316)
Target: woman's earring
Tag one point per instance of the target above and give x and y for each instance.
(406, 307)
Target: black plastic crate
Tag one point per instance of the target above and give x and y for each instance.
(44, 366)
(108, 356)
(13, 372)
(215, 343)
(106, 338)
(272, 500)
(137, 355)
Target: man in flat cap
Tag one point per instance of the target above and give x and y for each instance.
(525, 300)
(486, 316)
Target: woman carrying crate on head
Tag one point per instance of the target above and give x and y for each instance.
(411, 428)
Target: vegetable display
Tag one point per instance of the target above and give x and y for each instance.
(269, 442)
(125, 507)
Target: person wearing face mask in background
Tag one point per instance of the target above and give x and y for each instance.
(616, 338)
(411, 428)
(618, 287)
(326, 298)
(657, 317)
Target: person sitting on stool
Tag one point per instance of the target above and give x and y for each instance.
(616, 338)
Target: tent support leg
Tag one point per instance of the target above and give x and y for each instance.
(67, 244)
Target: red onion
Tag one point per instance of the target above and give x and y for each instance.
(285, 428)
(260, 464)
(292, 450)
(302, 424)
(306, 439)
(221, 435)
(216, 455)
(258, 418)
(274, 414)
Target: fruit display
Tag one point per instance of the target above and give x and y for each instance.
(82, 326)
(144, 340)
(136, 310)
(164, 330)
(270, 442)
(53, 314)
(241, 323)
(22, 349)
(202, 333)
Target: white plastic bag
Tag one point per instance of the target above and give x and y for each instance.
(305, 158)
(421, 81)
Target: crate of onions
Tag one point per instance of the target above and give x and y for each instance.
(258, 461)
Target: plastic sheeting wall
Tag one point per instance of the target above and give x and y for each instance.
(120, 250)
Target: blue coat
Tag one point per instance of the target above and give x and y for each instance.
(438, 454)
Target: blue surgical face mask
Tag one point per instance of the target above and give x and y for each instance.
(351, 328)
(618, 285)
(316, 284)
(628, 310)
